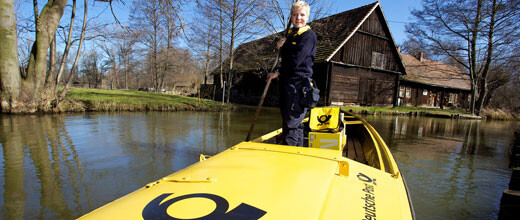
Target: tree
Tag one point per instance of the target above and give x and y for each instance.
(31, 89)
(241, 18)
(205, 38)
(154, 21)
(237, 21)
(9, 68)
(477, 34)
(504, 87)
(146, 21)
(125, 49)
(92, 70)
(24, 93)
(415, 48)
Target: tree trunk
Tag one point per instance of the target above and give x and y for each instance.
(52, 63)
(65, 54)
(73, 69)
(32, 93)
(490, 48)
(474, 74)
(473, 100)
(221, 46)
(208, 59)
(126, 71)
(26, 95)
(10, 77)
(231, 49)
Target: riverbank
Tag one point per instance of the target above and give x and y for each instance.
(430, 112)
(102, 100)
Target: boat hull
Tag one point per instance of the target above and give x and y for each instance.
(264, 181)
(258, 180)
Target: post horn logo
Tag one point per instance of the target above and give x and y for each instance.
(157, 208)
(323, 119)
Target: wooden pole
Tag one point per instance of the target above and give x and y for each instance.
(267, 84)
(258, 109)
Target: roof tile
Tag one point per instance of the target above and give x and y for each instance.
(434, 73)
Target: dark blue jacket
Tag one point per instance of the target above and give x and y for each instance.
(298, 54)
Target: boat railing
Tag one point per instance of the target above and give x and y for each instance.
(384, 160)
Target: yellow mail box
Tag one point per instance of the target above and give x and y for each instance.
(325, 119)
(333, 141)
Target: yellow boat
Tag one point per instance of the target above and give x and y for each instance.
(347, 172)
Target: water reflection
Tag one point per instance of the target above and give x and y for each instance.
(60, 167)
(54, 169)
(63, 166)
(456, 169)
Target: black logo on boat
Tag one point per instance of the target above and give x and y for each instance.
(368, 196)
(156, 209)
(324, 119)
(364, 178)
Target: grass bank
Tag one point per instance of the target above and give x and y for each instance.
(412, 111)
(499, 114)
(82, 100)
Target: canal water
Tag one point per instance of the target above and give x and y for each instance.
(64, 166)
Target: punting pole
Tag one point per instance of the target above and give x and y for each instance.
(266, 88)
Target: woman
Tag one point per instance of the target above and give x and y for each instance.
(298, 52)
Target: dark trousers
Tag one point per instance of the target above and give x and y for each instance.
(292, 111)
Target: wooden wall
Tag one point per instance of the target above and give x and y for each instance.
(369, 42)
(361, 86)
(430, 96)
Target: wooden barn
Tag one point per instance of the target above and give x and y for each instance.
(357, 62)
(433, 84)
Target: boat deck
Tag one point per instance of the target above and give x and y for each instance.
(353, 148)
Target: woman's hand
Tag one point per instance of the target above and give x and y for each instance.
(280, 43)
(271, 76)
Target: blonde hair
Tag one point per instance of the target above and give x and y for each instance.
(302, 4)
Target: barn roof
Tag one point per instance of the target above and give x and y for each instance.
(332, 32)
(434, 73)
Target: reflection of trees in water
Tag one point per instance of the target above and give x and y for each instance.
(428, 127)
(55, 160)
(452, 165)
(13, 149)
(170, 139)
(475, 137)
(463, 179)
(471, 139)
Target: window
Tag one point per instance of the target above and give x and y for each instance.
(401, 92)
(425, 92)
(378, 60)
(453, 98)
(408, 92)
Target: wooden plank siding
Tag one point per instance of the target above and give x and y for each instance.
(371, 37)
(365, 70)
(360, 86)
(373, 24)
(415, 94)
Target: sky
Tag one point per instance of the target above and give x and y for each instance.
(397, 12)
